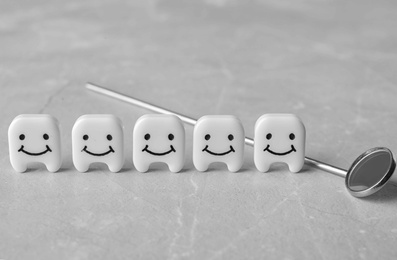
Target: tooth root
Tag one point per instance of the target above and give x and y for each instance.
(201, 165)
(295, 166)
(175, 167)
(82, 167)
(262, 167)
(114, 168)
(19, 167)
(142, 167)
(233, 167)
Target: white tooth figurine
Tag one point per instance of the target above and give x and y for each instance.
(35, 138)
(98, 138)
(218, 138)
(158, 138)
(279, 138)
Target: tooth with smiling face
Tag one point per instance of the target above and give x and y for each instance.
(279, 138)
(158, 138)
(34, 138)
(98, 138)
(218, 138)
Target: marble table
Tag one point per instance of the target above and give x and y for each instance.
(330, 62)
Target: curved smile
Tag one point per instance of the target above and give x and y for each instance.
(35, 154)
(158, 154)
(98, 154)
(280, 154)
(218, 154)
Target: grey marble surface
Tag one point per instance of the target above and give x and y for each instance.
(331, 62)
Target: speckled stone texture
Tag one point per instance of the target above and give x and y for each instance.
(333, 63)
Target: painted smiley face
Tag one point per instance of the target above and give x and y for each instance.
(158, 139)
(279, 138)
(218, 138)
(293, 149)
(35, 138)
(22, 148)
(98, 139)
(146, 149)
(208, 137)
(85, 149)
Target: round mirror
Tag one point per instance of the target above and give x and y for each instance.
(370, 172)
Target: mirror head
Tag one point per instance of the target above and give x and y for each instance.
(370, 172)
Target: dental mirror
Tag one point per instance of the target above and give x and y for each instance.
(368, 174)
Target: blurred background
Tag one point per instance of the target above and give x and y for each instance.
(330, 62)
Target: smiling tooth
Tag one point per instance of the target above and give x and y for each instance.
(98, 138)
(158, 138)
(218, 138)
(279, 138)
(35, 138)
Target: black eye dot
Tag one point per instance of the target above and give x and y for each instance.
(85, 137)
(231, 137)
(292, 136)
(147, 136)
(171, 137)
(45, 136)
(109, 137)
(207, 137)
(268, 136)
(22, 137)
